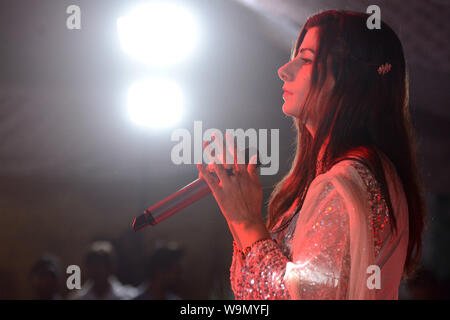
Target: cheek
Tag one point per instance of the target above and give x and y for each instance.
(300, 89)
(302, 85)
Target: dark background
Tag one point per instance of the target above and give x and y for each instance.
(75, 169)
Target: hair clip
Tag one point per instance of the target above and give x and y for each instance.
(384, 68)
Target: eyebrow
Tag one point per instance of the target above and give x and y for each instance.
(305, 49)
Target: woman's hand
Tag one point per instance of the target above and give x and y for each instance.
(239, 196)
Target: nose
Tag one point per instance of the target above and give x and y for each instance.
(283, 73)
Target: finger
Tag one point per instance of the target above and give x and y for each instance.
(240, 159)
(206, 143)
(229, 150)
(220, 171)
(232, 153)
(252, 168)
(209, 150)
(212, 181)
(219, 142)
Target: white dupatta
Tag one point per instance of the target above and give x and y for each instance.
(349, 185)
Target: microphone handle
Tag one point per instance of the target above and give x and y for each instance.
(181, 199)
(174, 203)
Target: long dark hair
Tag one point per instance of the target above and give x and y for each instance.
(366, 112)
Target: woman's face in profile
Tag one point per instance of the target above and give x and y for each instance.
(296, 75)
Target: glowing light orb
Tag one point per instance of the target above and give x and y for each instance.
(158, 33)
(155, 102)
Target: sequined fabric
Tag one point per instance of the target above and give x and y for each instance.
(379, 218)
(322, 266)
(260, 275)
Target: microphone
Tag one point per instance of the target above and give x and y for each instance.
(180, 199)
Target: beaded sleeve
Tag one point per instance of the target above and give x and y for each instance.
(321, 269)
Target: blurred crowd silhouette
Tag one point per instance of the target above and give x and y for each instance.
(161, 273)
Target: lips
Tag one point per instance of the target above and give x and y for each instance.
(287, 92)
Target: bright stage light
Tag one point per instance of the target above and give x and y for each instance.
(155, 102)
(158, 33)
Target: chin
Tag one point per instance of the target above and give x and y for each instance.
(289, 112)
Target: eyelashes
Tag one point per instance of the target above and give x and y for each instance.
(306, 61)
